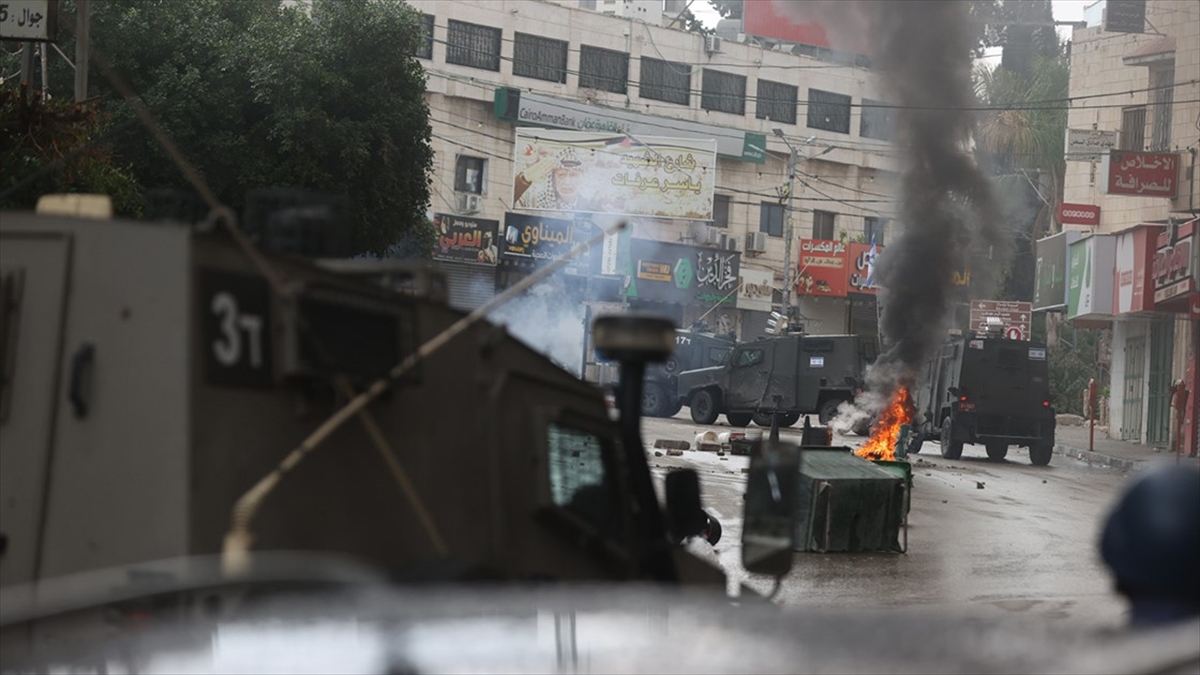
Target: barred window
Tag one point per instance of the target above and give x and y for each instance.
(473, 45)
(1161, 80)
(828, 111)
(1133, 128)
(723, 92)
(823, 225)
(877, 122)
(666, 81)
(720, 210)
(603, 69)
(425, 47)
(770, 218)
(776, 102)
(539, 57)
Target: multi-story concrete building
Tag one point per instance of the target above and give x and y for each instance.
(496, 66)
(1134, 269)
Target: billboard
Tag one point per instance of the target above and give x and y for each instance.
(1090, 277)
(468, 240)
(537, 238)
(755, 288)
(1135, 256)
(683, 275)
(1142, 174)
(823, 270)
(1173, 272)
(1050, 288)
(574, 171)
(862, 268)
(765, 19)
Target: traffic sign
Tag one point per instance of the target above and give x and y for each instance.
(1013, 318)
(1014, 333)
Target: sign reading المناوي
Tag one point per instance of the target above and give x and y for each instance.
(29, 20)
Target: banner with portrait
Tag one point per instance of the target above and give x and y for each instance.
(574, 171)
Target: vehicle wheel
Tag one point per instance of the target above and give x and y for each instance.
(828, 411)
(741, 419)
(862, 427)
(1040, 455)
(997, 451)
(788, 419)
(704, 407)
(671, 365)
(951, 449)
(915, 442)
(712, 531)
(654, 399)
(762, 419)
(672, 408)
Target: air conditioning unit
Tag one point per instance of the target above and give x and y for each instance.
(712, 44)
(756, 242)
(714, 237)
(731, 243)
(465, 202)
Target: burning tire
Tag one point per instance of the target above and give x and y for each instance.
(862, 428)
(704, 407)
(952, 449)
(828, 411)
(997, 451)
(1040, 455)
(738, 419)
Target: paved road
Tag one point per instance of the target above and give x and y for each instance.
(1024, 543)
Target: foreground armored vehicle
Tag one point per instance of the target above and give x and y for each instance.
(792, 375)
(693, 349)
(988, 390)
(156, 377)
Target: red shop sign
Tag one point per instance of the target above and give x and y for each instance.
(1079, 214)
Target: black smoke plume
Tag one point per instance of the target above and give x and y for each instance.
(921, 52)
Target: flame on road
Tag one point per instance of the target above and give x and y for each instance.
(882, 444)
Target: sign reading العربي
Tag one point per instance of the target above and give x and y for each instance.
(573, 171)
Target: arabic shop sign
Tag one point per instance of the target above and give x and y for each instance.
(1172, 270)
(681, 274)
(536, 238)
(1090, 277)
(528, 108)
(1089, 145)
(613, 174)
(823, 265)
(470, 240)
(1135, 259)
(34, 20)
(863, 261)
(1143, 174)
(756, 290)
(1050, 287)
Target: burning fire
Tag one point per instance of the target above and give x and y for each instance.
(882, 444)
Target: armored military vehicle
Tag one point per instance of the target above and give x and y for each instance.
(157, 375)
(693, 349)
(989, 390)
(792, 375)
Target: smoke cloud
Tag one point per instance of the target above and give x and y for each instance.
(947, 211)
(549, 321)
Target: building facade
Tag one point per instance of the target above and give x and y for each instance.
(499, 70)
(1131, 202)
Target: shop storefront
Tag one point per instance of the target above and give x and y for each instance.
(466, 251)
(822, 285)
(1173, 355)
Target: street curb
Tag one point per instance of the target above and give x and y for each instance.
(1092, 457)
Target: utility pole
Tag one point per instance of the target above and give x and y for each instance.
(787, 224)
(83, 30)
(26, 64)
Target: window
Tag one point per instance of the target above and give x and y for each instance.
(575, 459)
(425, 48)
(723, 92)
(666, 81)
(587, 4)
(603, 69)
(1161, 80)
(539, 58)
(717, 356)
(468, 174)
(776, 102)
(749, 357)
(873, 229)
(720, 210)
(877, 122)
(770, 219)
(828, 111)
(472, 45)
(823, 225)
(1133, 128)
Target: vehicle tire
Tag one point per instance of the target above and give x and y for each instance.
(762, 419)
(951, 449)
(862, 427)
(915, 442)
(705, 407)
(1039, 455)
(828, 411)
(671, 365)
(712, 531)
(672, 409)
(997, 451)
(654, 399)
(741, 419)
(788, 419)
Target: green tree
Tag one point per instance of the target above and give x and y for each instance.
(324, 96)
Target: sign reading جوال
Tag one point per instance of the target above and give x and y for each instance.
(29, 20)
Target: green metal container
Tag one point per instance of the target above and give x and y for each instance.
(848, 503)
(903, 470)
